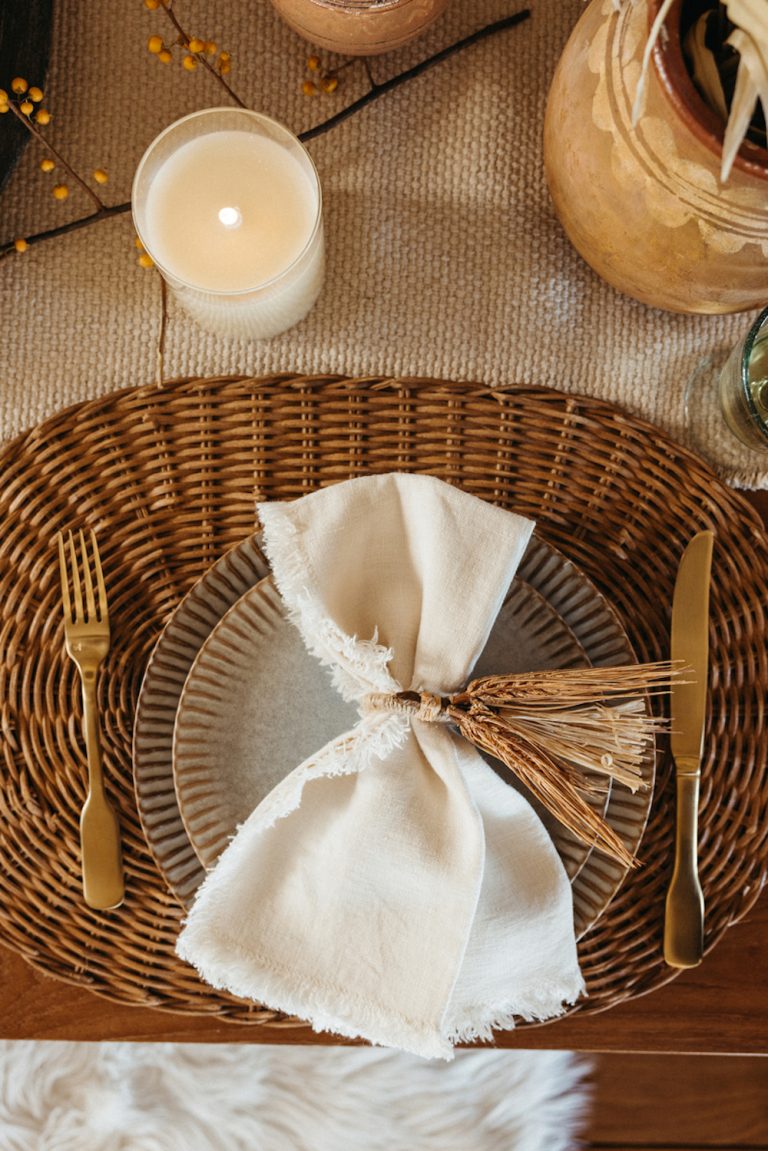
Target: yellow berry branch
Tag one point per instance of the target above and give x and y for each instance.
(320, 79)
(22, 110)
(105, 213)
(377, 90)
(198, 51)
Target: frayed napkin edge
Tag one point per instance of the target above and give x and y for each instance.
(230, 968)
(535, 1005)
(372, 739)
(357, 666)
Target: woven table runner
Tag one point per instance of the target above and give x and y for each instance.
(445, 258)
(169, 478)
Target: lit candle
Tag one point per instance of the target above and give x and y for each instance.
(228, 205)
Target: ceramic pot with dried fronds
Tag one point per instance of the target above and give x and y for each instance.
(660, 179)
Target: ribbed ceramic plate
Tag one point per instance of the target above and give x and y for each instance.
(569, 593)
(173, 655)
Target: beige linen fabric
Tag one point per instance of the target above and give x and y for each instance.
(444, 255)
(392, 887)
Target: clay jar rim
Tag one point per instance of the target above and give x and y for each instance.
(698, 117)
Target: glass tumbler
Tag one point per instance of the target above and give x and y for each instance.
(725, 403)
(743, 386)
(359, 27)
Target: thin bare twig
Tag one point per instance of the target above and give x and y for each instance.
(105, 213)
(161, 336)
(377, 90)
(381, 89)
(369, 72)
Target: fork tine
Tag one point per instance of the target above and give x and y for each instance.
(64, 579)
(75, 579)
(89, 600)
(103, 612)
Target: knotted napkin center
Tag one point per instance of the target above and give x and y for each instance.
(555, 730)
(424, 705)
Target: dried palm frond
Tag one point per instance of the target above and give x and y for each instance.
(750, 40)
(650, 44)
(751, 86)
(706, 74)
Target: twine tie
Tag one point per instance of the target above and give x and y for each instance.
(424, 705)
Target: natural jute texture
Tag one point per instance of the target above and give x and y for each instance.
(445, 257)
(169, 479)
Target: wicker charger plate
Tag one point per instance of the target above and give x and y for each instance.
(169, 477)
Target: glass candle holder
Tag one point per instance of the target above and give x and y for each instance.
(228, 204)
(359, 27)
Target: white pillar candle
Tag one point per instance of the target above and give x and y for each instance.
(228, 205)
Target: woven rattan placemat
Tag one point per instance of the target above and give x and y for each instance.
(169, 477)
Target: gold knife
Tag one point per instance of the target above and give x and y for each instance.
(684, 917)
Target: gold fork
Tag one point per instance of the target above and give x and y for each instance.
(86, 634)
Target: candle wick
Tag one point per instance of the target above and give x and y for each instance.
(230, 217)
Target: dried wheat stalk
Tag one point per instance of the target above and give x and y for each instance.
(550, 727)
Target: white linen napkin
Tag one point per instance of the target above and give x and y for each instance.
(392, 887)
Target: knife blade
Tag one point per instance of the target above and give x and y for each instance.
(684, 912)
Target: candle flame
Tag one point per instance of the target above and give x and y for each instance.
(230, 217)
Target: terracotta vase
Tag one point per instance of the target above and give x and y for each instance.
(644, 205)
(359, 27)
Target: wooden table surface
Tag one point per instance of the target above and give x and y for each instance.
(720, 1007)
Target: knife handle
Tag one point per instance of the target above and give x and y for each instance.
(684, 917)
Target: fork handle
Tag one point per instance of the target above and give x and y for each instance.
(101, 856)
(91, 730)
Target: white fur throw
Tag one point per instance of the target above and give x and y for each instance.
(230, 1097)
